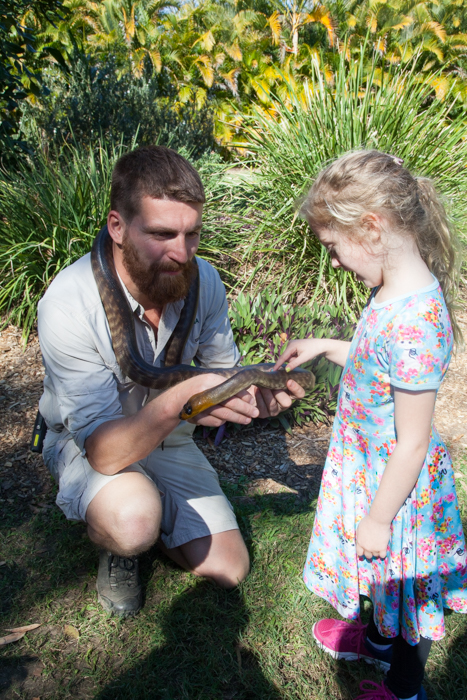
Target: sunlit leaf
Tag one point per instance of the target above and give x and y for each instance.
(26, 628)
(10, 638)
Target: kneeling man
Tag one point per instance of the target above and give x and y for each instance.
(124, 462)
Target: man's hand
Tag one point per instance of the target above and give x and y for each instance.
(372, 538)
(271, 402)
(240, 408)
(254, 402)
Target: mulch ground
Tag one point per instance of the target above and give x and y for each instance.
(270, 459)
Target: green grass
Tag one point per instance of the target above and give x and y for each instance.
(191, 641)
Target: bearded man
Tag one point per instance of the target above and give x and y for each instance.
(124, 462)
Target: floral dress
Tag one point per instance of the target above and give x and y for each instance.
(404, 343)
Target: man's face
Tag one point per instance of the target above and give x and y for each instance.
(158, 246)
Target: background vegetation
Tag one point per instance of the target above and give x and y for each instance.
(259, 94)
(277, 89)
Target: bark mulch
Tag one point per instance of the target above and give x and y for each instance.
(269, 460)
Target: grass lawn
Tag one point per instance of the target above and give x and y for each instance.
(191, 641)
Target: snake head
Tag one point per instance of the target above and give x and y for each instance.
(186, 411)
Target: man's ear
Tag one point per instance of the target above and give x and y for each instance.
(116, 226)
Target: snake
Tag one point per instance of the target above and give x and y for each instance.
(122, 330)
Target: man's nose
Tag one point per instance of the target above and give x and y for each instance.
(179, 249)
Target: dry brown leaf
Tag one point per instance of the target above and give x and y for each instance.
(11, 638)
(71, 632)
(26, 628)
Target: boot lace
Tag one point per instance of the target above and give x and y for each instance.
(123, 571)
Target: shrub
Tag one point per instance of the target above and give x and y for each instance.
(54, 204)
(95, 102)
(357, 107)
(263, 325)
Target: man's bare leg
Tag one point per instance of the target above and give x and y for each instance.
(123, 520)
(222, 557)
(124, 517)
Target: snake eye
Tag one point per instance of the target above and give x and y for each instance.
(188, 410)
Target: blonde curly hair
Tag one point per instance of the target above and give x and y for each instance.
(370, 181)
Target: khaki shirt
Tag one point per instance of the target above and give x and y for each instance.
(83, 384)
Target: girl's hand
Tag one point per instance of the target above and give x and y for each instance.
(300, 351)
(372, 538)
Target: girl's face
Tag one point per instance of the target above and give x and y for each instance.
(363, 260)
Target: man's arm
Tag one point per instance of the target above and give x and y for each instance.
(116, 444)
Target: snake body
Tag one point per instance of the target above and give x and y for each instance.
(122, 329)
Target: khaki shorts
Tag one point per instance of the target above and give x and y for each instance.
(193, 503)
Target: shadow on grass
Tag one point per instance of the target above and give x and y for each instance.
(190, 642)
(201, 658)
(48, 557)
(46, 554)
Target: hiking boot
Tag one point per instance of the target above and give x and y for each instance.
(118, 584)
(376, 691)
(347, 640)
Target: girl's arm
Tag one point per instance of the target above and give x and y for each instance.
(300, 351)
(413, 413)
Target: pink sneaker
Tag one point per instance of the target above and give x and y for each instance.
(375, 691)
(346, 640)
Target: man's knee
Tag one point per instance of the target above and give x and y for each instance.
(232, 574)
(136, 528)
(128, 512)
(223, 558)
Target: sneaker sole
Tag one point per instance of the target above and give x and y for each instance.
(350, 655)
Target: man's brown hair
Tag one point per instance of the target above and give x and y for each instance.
(153, 171)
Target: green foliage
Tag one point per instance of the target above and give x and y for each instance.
(17, 50)
(228, 56)
(263, 325)
(54, 204)
(393, 112)
(97, 101)
(52, 208)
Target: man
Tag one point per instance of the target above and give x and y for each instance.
(124, 462)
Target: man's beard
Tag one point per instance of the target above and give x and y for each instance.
(151, 281)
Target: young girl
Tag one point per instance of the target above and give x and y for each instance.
(387, 523)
